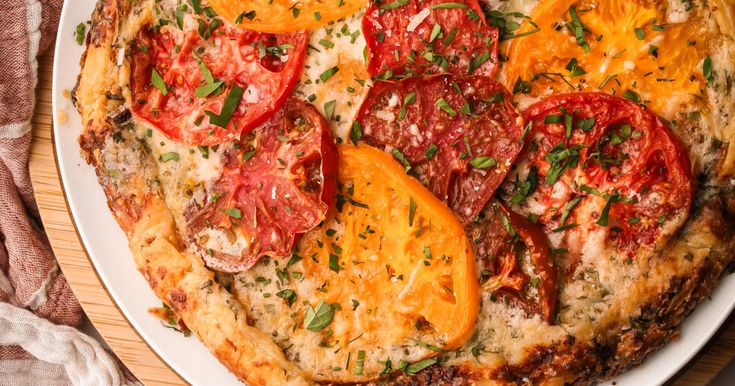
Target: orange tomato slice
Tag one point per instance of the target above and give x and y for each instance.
(396, 249)
(276, 16)
(632, 47)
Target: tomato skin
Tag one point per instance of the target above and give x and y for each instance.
(489, 129)
(279, 184)
(232, 57)
(497, 251)
(628, 152)
(472, 51)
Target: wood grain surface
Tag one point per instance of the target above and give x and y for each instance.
(108, 319)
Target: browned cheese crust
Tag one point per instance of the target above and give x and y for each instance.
(128, 175)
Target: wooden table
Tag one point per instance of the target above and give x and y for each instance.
(113, 326)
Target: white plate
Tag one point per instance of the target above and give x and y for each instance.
(108, 250)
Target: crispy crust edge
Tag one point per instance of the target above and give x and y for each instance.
(177, 277)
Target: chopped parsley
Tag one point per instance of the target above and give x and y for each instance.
(79, 33)
(414, 368)
(431, 151)
(329, 108)
(211, 84)
(707, 72)
(574, 69)
(328, 73)
(640, 33)
(158, 82)
(444, 106)
(527, 187)
(360, 362)
(483, 162)
(632, 95)
(233, 212)
(288, 295)
(228, 108)
(250, 15)
(356, 132)
(578, 29)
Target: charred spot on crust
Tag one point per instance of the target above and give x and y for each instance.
(178, 298)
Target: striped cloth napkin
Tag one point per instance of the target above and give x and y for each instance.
(39, 342)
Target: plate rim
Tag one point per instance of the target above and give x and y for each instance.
(685, 361)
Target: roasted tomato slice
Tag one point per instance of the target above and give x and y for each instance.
(276, 185)
(599, 169)
(501, 238)
(457, 135)
(208, 91)
(410, 37)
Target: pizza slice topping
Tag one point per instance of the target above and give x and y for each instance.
(205, 82)
(390, 274)
(411, 37)
(600, 167)
(457, 135)
(285, 15)
(277, 184)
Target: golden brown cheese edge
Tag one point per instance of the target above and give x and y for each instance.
(178, 278)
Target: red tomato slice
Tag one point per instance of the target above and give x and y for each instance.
(605, 164)
(458, 135)
(275, 187)
(411, 37)
(499, 238)
(264, 68)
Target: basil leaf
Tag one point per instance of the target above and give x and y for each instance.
(288, 295)
(448, 5)
(234, 213)
(318, 318)
(329, 109)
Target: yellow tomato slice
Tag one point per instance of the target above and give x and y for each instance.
(277, 16)
(399, 251)
(631, 47)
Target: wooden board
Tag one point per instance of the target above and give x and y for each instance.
(108, 319)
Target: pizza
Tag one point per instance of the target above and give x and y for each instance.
(423, 192)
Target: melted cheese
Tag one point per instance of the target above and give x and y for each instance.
(340, 45)
(385, 279)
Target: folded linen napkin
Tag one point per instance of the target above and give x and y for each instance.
(38, 311)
